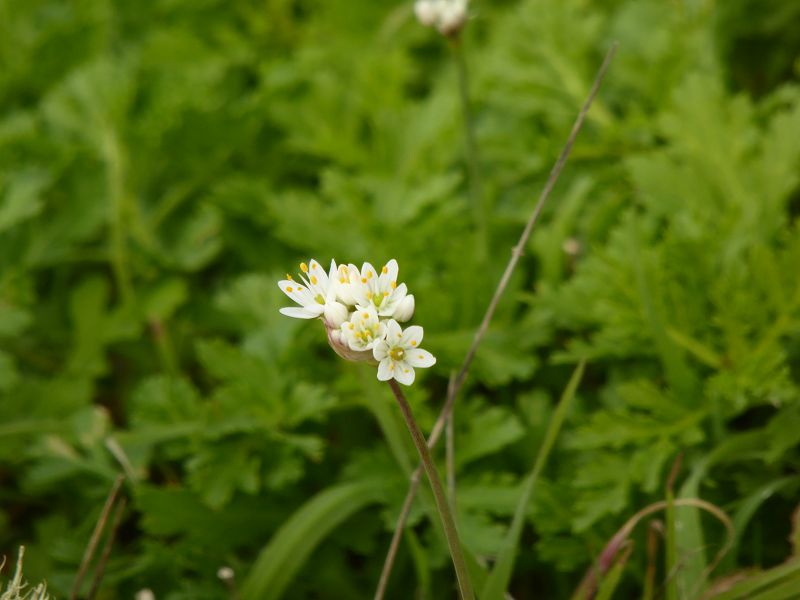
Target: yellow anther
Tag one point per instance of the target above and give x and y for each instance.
(421, 356)
(405, 370)
(385, 269)
(385, 294)
(313, 280)
(369, 295)
(363, 280)
(289, 288)
(394, 284)
(289, 277)
(413, 342)
(369, 274)
(351, 326)
(304, 267)
(342, 280)
(314, 265)
(365, 315)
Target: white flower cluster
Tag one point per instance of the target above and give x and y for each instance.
(362, 311)
(448, 16)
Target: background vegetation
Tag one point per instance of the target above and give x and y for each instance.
(164, 162)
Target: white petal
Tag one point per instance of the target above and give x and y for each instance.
(297, 312)
(385, 370)
(404, 373)
(398, 295)
(317, 276)
(412, 337)
(393, 332)
(420, 358)
(388, 275)
(381, 350)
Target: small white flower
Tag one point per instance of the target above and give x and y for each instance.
(381, 290)
(317, 298)
(452, 16)
(427, 11)
(404, 310)
(363, 330)
(399, 353)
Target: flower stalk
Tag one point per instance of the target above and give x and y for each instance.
(442, 505)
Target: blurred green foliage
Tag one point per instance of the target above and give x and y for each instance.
(164, 162)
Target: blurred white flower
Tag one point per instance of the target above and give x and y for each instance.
(448, 16)
(427, 11)
(452, 16)
(317, 298)
(363, 330)
(380, 291)
(145, 594)
(399, 353)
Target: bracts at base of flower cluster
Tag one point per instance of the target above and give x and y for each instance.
(361, 310)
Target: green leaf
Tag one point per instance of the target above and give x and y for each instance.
(281, 559)
(500, 575)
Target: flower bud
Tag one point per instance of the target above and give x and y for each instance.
(404, 310)
(426, 11)
(335, 314)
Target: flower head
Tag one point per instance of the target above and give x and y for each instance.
(317, 298)
(399, 353)
(360, 309)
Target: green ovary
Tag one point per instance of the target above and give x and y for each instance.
(397, 353)
(320, 299)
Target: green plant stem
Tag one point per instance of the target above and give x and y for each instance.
(450, 531)
(480, 211)
(119, 259)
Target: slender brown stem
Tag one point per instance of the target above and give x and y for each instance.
(449, 524)
(101, 563)
(95, 538)
(516, 253)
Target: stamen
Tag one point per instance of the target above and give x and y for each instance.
(313, 280)
(304, 267)
(369, 274)
(289, 289)
(413, 342)
(394, 284)
(385, 294)
(365, 315)
(385, 269)
(289, 277)
(363, 280)
(351, 326)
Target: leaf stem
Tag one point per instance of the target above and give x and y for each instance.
(450, 531)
